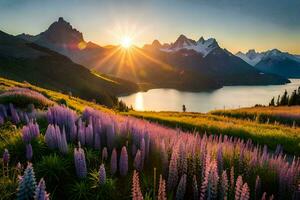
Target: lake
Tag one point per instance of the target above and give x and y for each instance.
(227, 97)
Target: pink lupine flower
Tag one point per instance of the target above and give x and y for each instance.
(113, 162)
(209, 187)
(238, 188)
(161, 189)
(123, 165)
(264, 196)
(245, 194)
(136, 189)
(173, 172)
(232, 178)
(224, 185)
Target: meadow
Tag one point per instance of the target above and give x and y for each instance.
(287, 115)
(62, 147)
(270, 134)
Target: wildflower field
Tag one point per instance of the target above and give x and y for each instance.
(72, 149)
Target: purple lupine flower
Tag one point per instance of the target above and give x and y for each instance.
(14, 114)
(63, 145)
(133, 150)
(113, 162)
(40, 191)
(245, 194)
(50, 137)
(80, 163)
(136, 189)
(81, 132)
(104, 154)
(123, 165)
(137, 161)
(73, 133)
(89, 137)
(162, 189)
(110, 136)
(97, 141)
(173, 172)
(30, 131)
(26, 136)
(181, 188)
(5, 157)
(27, 184)
(3, 111)
(102, 175)
(143, 152)
(238, 188)
(29, 152)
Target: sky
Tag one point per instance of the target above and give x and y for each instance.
(237, 25)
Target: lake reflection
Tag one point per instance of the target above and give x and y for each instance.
(226, 97)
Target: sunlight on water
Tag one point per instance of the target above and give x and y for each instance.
(139, 101)
(226, 97)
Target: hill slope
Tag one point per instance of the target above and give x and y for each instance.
(23, 61)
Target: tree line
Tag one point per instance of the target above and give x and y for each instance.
(286, 99)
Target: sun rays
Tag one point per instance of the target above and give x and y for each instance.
(126, 60)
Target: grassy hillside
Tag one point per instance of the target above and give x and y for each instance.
(95, 153)
(269, 134)
(21, 61)
(75, 103)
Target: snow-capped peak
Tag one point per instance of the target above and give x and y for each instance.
(252, 57)
(201, 46)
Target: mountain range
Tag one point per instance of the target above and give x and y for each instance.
(185, 64)
(273, 61)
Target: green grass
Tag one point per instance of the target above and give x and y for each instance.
(287, 115)
(263, 134)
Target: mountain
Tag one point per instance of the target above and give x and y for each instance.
(209, 59)
(24, 61)
(273, 61)
(201, 46)
(185, 64)
(66, 40)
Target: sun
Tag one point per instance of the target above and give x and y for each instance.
(126, 42)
